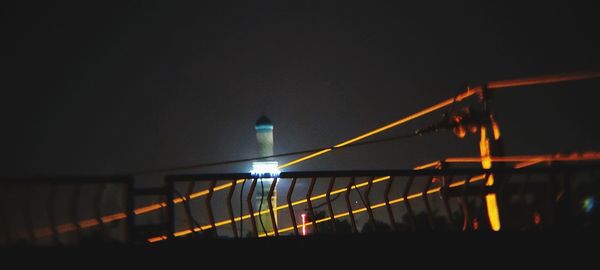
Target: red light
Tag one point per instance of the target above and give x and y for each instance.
(475, 224)
(537, 218)
(303, 224)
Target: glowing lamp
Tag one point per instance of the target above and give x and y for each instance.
(265, 169)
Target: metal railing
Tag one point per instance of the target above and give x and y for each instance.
(376, 201)
(75, 211)
(65, 211)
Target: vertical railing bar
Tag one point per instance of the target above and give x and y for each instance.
(290, 207)
(445, 186)
(368, 204)
(270, 204)
(230, 208)
(427, 206)
(129, 208)
(50, 205)
(75, 209)
(348, 189)
(411, 215)
(386, 197)
(4, 216)
(465, 203)
(170, 189)
(28, 216)
(483, 191)
(551, 199)
(310, 206)
(191, 222)
(98, 206)
(250, 208)
(188, 207)
(209, 210)
(241, 235)
(329, 205)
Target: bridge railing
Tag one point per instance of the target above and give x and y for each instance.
(300, 203)
(71, 211)
(65, 210)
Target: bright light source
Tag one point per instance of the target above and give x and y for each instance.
(303, 224)
(588, 204)
(265, 169)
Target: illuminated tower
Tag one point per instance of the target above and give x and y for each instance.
(264, 136)
(265, 169)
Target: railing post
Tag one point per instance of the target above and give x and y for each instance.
(250, 207)
(188, 208)
(446, 180)
(329, 205)
(230, 208)
(425, 197)
(290, 207)
(209, 210)
(270, 204)
(368, 204)
(129, 209)
(349, 205)
(309, 203)
(411, 215)
(170, 189)
(388, 207)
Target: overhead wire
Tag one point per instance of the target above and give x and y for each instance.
(354, 141)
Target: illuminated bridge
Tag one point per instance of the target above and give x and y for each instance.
(490, 192)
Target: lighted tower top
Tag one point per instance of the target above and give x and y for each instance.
(263, 124)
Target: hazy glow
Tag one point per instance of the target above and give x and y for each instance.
(588, 204)
(268, 169)
(537, 218)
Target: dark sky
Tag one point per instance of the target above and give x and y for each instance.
(105, 88)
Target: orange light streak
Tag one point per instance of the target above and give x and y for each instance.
(531, 158)
(526, 164)
(470, 91)
(428, 165)
(544, 79)
(304, 158)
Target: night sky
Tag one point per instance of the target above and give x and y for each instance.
(111, 87)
